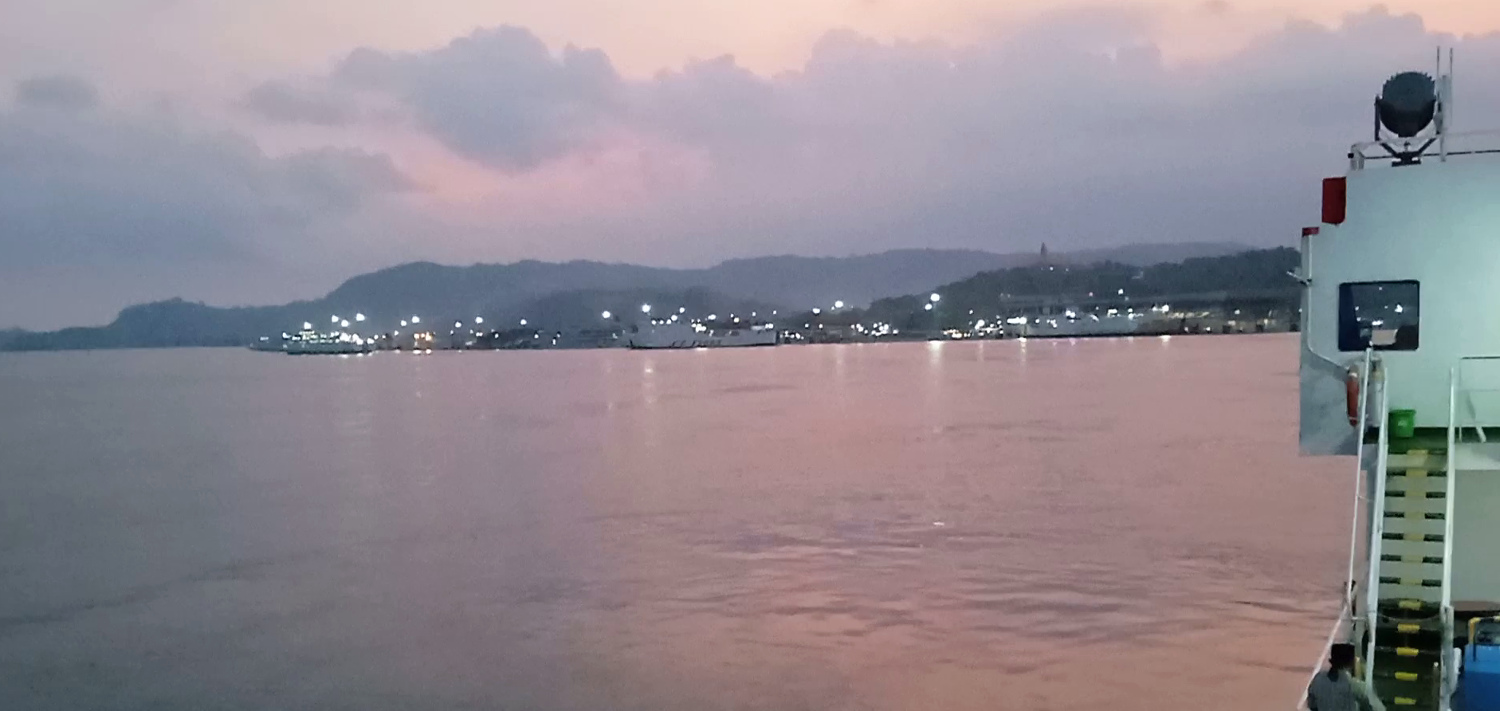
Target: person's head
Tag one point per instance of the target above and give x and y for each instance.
(1340, 658)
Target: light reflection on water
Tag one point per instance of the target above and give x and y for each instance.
(1043, 525)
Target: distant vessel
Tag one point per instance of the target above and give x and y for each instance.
(327, 346)
(697, 335)
(309, 342)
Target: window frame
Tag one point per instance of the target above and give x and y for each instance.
(1348, 337)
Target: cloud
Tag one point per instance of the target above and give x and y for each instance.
(113, 190)
(1072, 82)
(499, 96)
(104, 208)
(285, 102)
(1073, 128)
(1076, 129)
(59, 92)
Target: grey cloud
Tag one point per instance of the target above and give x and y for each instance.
(1071, 129)
(59, 92)
(285, 102)
(105, 188)
(343, 178)
(498, 95)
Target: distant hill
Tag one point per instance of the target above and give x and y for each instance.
(570, 295)
(789, 281)
(1262, 272)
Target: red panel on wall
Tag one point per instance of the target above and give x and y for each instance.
(1335, 199)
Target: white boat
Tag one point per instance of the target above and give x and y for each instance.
(1400, 370)
(327, 347)
(676, 334)
(337, 343)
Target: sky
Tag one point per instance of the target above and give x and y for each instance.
(240, 152)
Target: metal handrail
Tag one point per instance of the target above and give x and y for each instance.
(1449, 670)
(1377, 531)
(1359, 471)
(1359, 152)
(1455, 386)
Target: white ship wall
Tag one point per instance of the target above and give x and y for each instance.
(1324, 422)
(1437, 223)
(1476, 532)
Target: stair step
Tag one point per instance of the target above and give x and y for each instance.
(1408, 609)
(1419, 634)
(1422, 537)
(1407, 688)
(1411, 582)
(1408, 651)
(1402, 676)
(1404, 548)
(1425, 559)
(1405, 494)
(1428, 516)
(1417, 459)
(1410, 626)
(1410, 572)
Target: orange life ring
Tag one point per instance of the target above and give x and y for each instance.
(1351, 394)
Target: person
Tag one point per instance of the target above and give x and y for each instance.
(1337, 689)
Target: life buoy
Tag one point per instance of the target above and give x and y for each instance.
(1351, 394)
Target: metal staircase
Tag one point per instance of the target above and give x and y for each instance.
(1406, 651)
(1408, 625)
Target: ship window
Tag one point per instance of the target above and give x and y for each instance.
(1379, 314)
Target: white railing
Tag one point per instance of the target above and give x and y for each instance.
(1377, 533)
(1447, 145)
(1359, 482)
(1377, 530)
(1458, 390)
(1448, 658)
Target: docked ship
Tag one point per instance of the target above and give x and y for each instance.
(310, 342)
(676, 334)
(329, 346)
(1400, 370)
(1072, 324)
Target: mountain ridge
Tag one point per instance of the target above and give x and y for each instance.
(535, 290)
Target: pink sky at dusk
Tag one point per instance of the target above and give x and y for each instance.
(258, 151)
(209, 42)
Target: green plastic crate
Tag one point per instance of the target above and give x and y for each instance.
(1403, 423)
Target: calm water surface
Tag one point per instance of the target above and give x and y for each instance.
(1052, 525)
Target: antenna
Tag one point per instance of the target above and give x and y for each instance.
(1445, 103)
(1448, 91)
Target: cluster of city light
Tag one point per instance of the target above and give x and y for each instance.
(827, 321)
